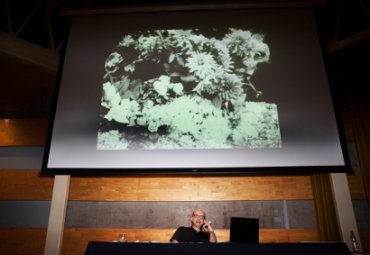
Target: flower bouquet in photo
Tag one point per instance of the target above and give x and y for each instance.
(186, 89)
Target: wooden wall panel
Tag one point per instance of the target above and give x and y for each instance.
(365, 240)
(326, 219)
(356, 181)
(359, 105)
(21, 241)
(29, 185)
(190, 188)
(25, 185)
(288, 235)
(23, 132)
(356, 185)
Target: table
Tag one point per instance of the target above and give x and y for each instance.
(320, 248)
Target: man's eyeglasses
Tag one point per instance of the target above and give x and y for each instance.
(199, 216)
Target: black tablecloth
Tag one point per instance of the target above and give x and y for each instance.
(107, 248)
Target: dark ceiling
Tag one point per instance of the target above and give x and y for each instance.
(32, 35)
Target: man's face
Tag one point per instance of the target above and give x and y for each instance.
(197, 219)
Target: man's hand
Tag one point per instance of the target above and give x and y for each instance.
(207, 227)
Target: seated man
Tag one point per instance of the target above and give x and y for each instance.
(199, 231)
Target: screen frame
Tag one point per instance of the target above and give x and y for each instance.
(295, 170)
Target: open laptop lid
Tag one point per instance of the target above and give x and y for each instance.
(244, 230)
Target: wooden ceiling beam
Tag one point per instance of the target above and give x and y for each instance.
(29, 17)
(29, 52)
(349, 41)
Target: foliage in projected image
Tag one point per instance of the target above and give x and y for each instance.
(184, 89)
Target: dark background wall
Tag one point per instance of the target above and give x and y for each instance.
(150, 208)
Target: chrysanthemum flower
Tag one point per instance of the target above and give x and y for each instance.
(202, 65)
(231, 88)
(237, 40)
(222, 56)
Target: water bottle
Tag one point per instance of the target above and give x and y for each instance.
(122, 238)
(355, 246)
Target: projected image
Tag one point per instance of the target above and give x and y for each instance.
(186, 89)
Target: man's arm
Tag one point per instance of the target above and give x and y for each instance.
(208, 228)
(175, 236)
(212, 237)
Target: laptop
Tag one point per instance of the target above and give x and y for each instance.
(244, 230)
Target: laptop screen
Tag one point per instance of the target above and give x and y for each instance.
(244, 230)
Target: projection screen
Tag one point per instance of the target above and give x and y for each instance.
(227, 91)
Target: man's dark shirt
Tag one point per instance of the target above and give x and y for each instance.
(190, 235)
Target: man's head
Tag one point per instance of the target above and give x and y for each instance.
(197, 218)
